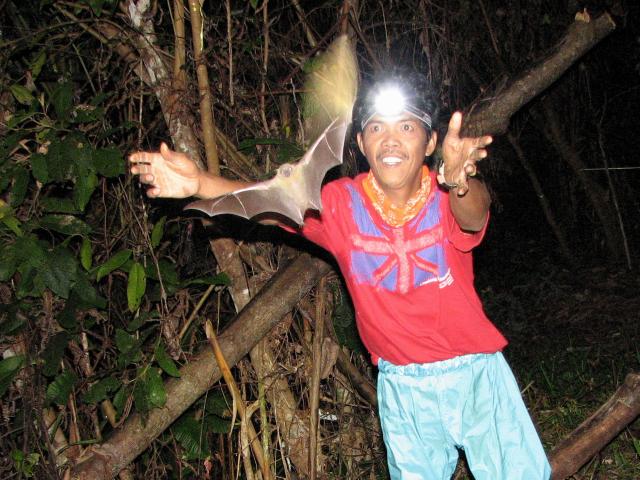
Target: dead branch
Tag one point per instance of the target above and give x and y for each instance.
(598, 430)
(266, 309)
(493, 116)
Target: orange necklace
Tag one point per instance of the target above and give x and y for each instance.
(394, 215)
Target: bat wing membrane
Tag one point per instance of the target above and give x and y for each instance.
(252, 201)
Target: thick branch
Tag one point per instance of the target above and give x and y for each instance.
(493, 117)
(598, 430)
(275, 299)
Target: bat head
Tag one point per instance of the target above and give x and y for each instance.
(286, 170)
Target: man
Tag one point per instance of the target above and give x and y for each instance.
(403, 236)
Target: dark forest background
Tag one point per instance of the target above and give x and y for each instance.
(104, 294)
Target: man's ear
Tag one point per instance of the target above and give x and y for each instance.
(431, 144)
(360, 144)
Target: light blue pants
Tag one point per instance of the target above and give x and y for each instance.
(470, 402)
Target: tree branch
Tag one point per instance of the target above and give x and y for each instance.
(493, 116)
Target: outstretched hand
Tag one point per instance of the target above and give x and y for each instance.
(460, 155)
(170, 174)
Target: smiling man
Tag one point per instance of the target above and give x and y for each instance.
(403, 236)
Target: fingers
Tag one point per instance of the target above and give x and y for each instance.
(455, 124)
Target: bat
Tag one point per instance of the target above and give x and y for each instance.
(331, 87)
(295, 187)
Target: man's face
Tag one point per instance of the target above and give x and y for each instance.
(395, 149)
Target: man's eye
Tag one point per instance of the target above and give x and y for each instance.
(374, 128)
(407, 127)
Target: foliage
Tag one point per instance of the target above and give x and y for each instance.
(97, 283)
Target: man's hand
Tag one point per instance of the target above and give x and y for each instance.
(170, 174)
(460, 156)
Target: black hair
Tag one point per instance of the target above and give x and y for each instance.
(417, 89)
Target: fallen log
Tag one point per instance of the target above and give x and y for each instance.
(265, 310)
(598, 430)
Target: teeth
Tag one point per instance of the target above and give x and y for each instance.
(391, 160)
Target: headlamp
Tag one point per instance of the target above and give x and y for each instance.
(389, 102)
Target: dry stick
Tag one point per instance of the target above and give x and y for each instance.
(265, 64)
(311, 38)
(614, 195)
(314, 388)
(227, 4)
(206, 111)
(598, 430)
(237, 400)
(542, 199)
(196, 309)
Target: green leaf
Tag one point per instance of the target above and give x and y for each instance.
(59, 272)
(157, 395)
(140, 320)
(167, 272)
(7, 144)
(136, 286)
(100, 390)
(39, 167)
(126, 343)
(96, 6)
(216, 424)
(37, 64)
(84, 293)
(7, 218)
(158, 232)
(25, 464)
(129, 348)
(218, 405)
(59, 390)
(12, 323)
(86, 113)
(62, 99)
(22, 94)
(109, 162)
(119, 399)
(86, 253)
(58, 205)
(188, 433)
(66, 224)
(219, 279)
(165, 361)
(9, 367)
(53, 353)
(59, 168)
(85, 185)
(113, 263)
(8, 262)
(19, 187)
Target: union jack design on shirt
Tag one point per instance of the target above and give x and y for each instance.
(398, 259)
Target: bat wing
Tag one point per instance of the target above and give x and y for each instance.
(325, 153)
(293, 190)
(263, 197)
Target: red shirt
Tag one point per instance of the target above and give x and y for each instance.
(411, 286)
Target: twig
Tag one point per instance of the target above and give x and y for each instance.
(230, 50)
(314, 387)
(614, 196)
(256, 447)
(265, 64)
(187, 324)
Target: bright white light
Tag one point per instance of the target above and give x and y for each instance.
(390, 102)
